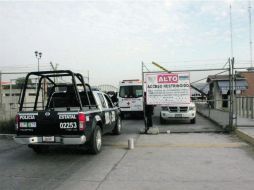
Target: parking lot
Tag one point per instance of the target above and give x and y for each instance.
(164, 161)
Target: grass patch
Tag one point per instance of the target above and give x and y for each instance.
(7, 126)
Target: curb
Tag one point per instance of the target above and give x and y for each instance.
(223, 127)
(244, 136)
(6, 136)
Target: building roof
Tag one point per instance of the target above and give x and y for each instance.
(212, 78)
(201, 86)
(5, 83)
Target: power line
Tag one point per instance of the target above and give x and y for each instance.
(206, 77)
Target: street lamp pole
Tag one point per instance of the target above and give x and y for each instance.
(38, 57)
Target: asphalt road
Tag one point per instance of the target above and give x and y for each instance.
(164, 161)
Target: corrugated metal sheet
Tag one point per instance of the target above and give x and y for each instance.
(239, 85)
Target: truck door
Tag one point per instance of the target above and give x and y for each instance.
(112, 111)
(105, 112)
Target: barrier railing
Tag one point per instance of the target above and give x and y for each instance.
(245, 107)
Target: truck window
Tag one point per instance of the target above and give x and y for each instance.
(130, 91)
(103, 103)
(62, 99)
(110, 105)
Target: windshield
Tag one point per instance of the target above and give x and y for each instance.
(130, 91)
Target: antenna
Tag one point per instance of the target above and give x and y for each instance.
(250, 34)
(231, 30)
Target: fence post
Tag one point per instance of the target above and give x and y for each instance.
(237, 105)
(240, 106)
(252, 104)
(243, 99)
(247, 107)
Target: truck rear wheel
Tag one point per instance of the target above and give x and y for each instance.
(118, 127)
(96, 140)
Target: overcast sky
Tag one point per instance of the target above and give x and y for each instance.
(110, 38)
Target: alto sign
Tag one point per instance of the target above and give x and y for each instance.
(167, 88)
(167, 78)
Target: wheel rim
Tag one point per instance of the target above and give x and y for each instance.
(98, 140)
(119, 124)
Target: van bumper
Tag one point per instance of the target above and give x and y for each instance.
(52, 140)
(178, 116)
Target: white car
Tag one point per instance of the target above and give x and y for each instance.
(178, 112)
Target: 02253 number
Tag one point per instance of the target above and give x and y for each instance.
(68, 125)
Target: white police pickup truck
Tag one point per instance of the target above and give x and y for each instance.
(178, 112)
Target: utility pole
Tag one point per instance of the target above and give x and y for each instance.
(231, 29)
(1, 97)
(231, 92)
(52, 66)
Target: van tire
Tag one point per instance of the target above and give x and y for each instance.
(162, 121)
(193, 121)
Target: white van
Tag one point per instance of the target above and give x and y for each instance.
(130, 97)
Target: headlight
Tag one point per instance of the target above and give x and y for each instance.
(192, 108)
(163, 108)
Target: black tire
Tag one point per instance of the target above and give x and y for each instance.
(118, 127)
(162, 121)
(96, 140)
(39, 149)
(193, 121)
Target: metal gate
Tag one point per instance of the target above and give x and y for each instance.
(220, 102)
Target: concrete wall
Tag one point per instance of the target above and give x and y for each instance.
(249, 76)
(10, 105)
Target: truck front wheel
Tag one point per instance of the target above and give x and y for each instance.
(96, 140)
(118, 127)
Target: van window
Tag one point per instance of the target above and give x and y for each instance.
(131, 91)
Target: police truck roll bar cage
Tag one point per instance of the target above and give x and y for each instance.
(48, 75)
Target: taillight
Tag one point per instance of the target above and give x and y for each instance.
(82, 121)
(17, 122)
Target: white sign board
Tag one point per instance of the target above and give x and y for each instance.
(168, 88)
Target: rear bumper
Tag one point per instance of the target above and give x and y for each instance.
(58, 140)
(131, 109)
